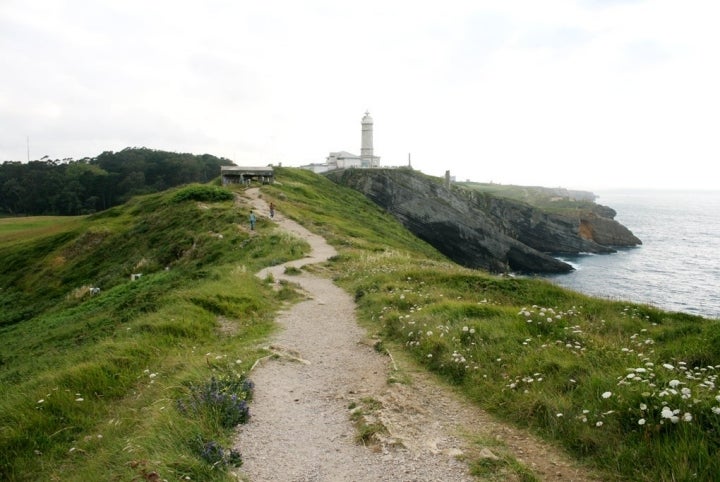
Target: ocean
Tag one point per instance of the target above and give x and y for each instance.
(677, 268)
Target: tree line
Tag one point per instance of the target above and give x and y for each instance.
(85, 186)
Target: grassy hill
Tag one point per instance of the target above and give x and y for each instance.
(147, 376)
(551, 200)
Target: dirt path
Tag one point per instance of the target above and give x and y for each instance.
(301, 428)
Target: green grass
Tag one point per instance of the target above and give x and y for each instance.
(90, 383)
(25, 228)
(539, 197)
(535, 355)
(578, 371)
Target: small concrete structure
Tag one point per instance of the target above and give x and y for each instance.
(243, 175)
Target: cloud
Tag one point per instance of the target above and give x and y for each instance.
(517, 92)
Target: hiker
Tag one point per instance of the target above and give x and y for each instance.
(252, 221)
(272, 210)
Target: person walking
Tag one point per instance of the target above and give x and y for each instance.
(252, 221)
(272, 210)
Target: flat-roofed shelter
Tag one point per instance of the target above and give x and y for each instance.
(243, 175)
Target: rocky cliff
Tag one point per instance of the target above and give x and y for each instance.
(480, 230)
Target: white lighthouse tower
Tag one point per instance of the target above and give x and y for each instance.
(366, 144)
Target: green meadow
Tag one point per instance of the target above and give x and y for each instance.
(114, 385)
(147, 377)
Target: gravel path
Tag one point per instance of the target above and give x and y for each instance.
(301, 428)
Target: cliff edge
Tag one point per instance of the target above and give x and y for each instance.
(481, 230)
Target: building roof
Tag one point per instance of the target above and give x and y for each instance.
(341, 154)
(246, 169)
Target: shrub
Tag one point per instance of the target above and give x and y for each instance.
(223, 399)
(215, 454)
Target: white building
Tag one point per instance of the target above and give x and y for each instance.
(346, 160)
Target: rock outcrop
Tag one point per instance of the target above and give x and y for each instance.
(484, 231)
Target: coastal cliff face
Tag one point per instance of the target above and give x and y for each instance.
(479, 230)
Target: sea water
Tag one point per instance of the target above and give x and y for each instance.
(677, 268)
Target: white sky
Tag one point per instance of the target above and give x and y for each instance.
(588, 94)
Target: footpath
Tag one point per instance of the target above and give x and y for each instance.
(324, 365)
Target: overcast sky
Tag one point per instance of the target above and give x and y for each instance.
(588, 94)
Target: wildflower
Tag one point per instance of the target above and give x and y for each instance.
(429, 333)
(716, 410)
(687, 417)
(643, 406)
(641, 421)
(668, 366)
(599, 423)
(674, 383)
(429, 355)
(80, 399)
(559, 415)
(607, 395)
(42, 400)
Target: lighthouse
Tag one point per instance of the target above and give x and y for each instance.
(366, 143)
(347, 160)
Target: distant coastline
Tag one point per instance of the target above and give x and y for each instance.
(676, 268)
